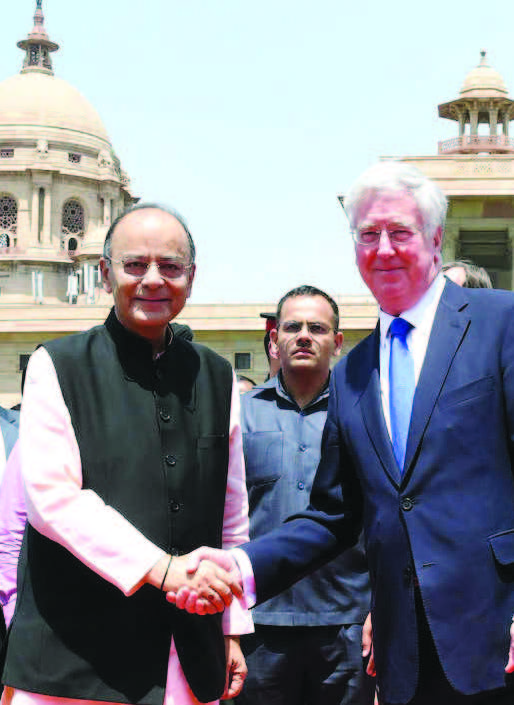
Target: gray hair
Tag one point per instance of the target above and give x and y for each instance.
(394, 176)
(107, 251)
(476, 276)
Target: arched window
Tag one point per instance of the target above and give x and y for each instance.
(8, 219)
(72, 218)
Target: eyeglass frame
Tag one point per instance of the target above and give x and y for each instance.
(388, 230)
(123, 260)
(309, 325)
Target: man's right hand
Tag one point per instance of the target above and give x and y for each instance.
(205, 585)
(189, 598)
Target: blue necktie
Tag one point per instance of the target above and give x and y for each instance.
(401, 387)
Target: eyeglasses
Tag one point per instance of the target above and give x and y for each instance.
(295, 327)
(397, 234)
(137, 267)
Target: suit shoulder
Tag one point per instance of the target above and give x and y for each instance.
(364, 350)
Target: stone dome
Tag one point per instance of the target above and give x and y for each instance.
(483, 82)
(35, 100)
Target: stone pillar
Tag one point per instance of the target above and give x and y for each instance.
(462, 124)
(47, 222)
(34, 217)
(473, 121)
(493, 120)
(44, 181)
(24, 210)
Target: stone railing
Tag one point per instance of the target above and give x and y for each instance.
(473, 144)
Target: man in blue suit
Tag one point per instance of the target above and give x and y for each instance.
(418, 448)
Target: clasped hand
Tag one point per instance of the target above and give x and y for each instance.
(203, 582)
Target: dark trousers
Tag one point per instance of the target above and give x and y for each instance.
(305, 666)
(433, 686)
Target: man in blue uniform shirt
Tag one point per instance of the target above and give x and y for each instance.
(307, 642)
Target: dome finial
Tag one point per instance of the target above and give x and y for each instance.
(38, 46)
(483, 59)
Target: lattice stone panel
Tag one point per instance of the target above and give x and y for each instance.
(72, 218)
(8, 214)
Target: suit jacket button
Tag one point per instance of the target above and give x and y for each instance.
(174, 506)
(164, 416)
(407, 504)
(170, 460)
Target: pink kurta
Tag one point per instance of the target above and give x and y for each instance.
(94, 532)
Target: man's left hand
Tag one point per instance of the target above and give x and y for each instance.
(236, 668)
(509, 668)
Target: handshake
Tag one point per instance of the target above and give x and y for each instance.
(201, 582)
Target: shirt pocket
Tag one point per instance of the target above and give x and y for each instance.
(263, 457)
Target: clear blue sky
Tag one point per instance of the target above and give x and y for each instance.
(250, 118)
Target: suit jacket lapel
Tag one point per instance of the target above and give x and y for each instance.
(372, 413)
(450, 325)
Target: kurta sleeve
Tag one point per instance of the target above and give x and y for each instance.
(236, 619)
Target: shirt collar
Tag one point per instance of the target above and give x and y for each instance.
(281, 390)
(421, 315)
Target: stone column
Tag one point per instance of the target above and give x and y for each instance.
(462, 124)
(34, 216)
(493, 120)
(473, 121)
(47, 221)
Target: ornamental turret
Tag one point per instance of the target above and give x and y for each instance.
(38, 46)
(483, 100)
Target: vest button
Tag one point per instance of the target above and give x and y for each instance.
(170, 460)
(164, 416)
(407, 504)
(174, 506)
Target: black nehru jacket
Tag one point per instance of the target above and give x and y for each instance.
(154, 444)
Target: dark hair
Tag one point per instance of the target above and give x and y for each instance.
(147, 206)
(307, 290)
(476, 277)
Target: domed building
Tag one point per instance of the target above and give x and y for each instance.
(61, 183)
(61, 186)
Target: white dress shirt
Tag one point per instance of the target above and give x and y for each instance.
(421, 316)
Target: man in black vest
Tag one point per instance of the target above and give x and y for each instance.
(132, 458)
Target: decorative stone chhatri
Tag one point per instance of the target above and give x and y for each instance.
(38, 46)
(483, 99)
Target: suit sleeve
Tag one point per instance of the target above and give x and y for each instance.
(330, 524)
